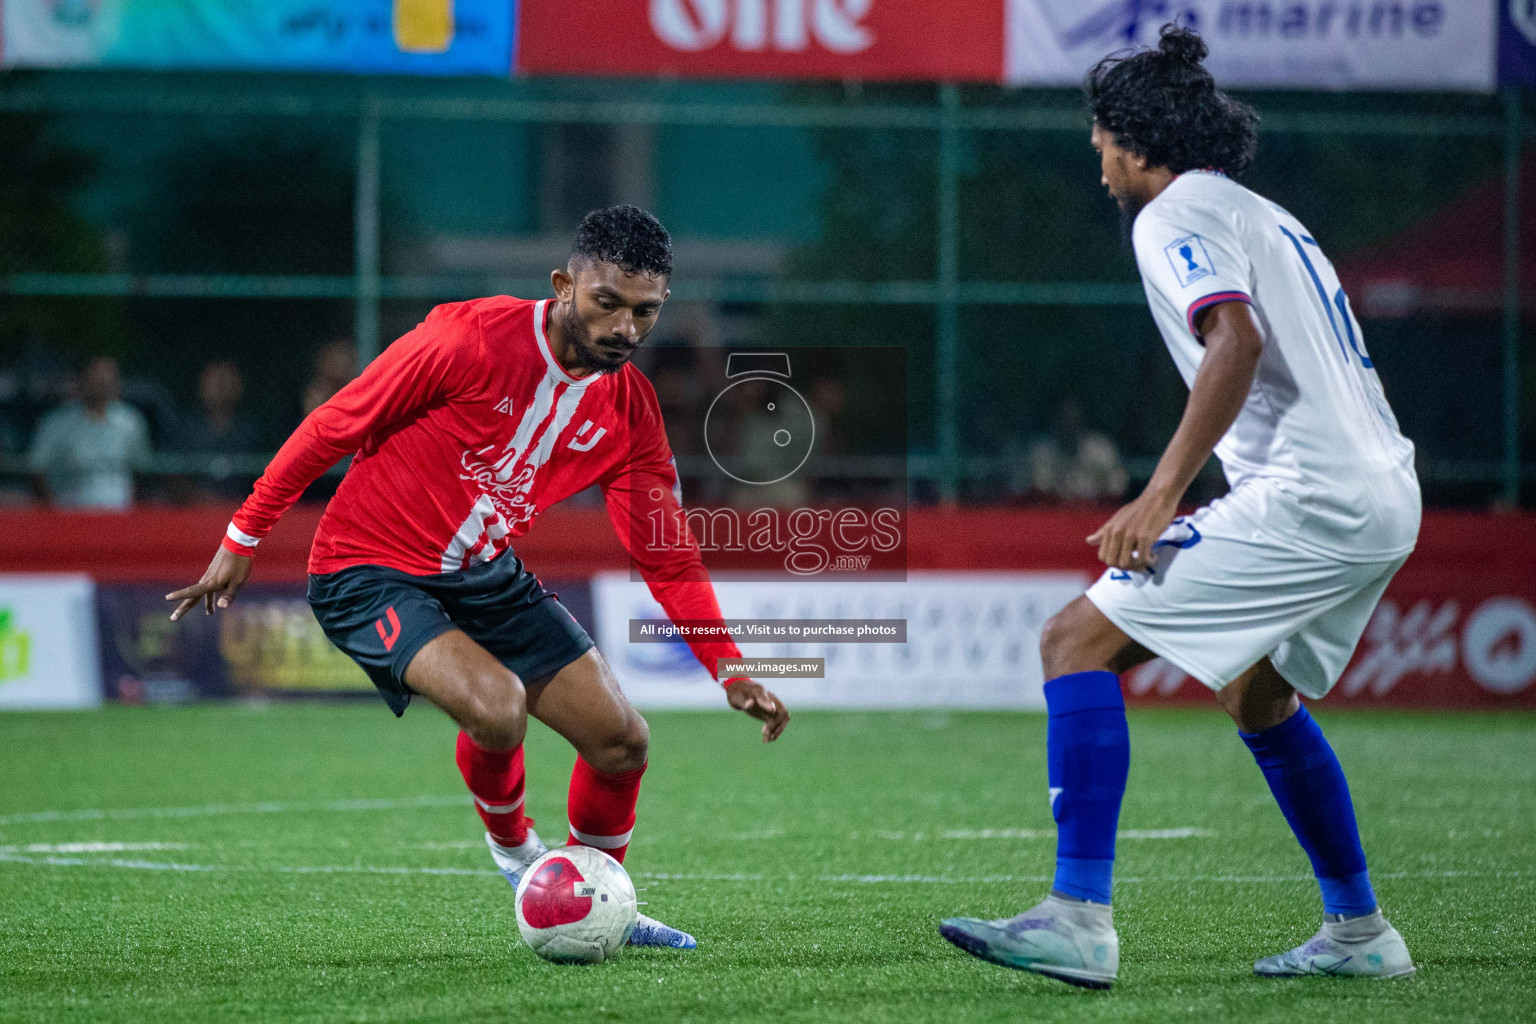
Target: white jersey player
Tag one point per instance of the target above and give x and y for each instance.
(1324, 503)
(1264, 593)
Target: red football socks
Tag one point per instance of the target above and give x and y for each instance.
(495, 778)
(601, 808)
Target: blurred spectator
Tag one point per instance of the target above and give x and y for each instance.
(84, 453)
(155, 402)
(219, 431)
(335, 366)
(1074, 463)
(40, 380)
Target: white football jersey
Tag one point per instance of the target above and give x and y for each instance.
(1328, 467)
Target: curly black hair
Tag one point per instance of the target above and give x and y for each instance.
(626, 236)
(1163, 104)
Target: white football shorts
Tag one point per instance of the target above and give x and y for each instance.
(1226, 594)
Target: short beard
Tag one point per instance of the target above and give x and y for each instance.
(1129, 208)
(588, 355)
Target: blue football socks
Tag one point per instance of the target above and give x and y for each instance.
(1088, 752)
(1309, 786)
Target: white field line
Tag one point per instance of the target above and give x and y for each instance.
(80, 862)
(365, 869)
(327, 869)
(905, 879)
(214, 810)
(390, 804)
(1050, 833)
(952, 834)
(90, 847)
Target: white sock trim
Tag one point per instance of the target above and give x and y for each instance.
(602, 842)
(499, 808)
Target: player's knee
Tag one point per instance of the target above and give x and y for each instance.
(496, 710)
(1060, 643)
(624, 749)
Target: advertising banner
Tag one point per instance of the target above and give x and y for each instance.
(1307, 44)
(48, 642)
(265, 644)
(1455, 629)
(972, 639)
(1302, 44)
(424, 37)
(1517, 43)
(1426, 646)
(959, 40)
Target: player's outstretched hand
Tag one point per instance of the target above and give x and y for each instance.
(226, 574)
(755, 700)
(1126, 541)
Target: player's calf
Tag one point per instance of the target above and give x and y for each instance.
(496, 779)
(1309, 785)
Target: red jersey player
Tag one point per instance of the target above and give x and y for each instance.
(464, 431)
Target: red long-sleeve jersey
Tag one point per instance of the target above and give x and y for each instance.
(466, 429)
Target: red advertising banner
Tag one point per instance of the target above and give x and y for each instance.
(1456, 628)
(957, 40)
(1424, 646)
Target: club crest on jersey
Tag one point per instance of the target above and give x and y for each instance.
(586, 437)
(1189, 260)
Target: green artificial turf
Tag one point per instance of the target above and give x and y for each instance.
(813, 872)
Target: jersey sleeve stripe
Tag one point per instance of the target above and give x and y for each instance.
(240, 542)
(1214, 299)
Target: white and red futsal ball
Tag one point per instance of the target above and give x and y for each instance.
(576, 905)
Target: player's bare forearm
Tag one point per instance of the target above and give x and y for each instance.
(1232, 349)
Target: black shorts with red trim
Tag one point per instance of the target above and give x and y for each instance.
(382, 618)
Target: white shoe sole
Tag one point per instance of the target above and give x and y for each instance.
(1407, 972)
(1070, 975)
(982, 950)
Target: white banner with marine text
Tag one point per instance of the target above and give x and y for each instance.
(1302, 44)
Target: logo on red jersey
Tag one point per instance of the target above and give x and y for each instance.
(389, 636)
(505, 405)
(505, 475)
(580, 444)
